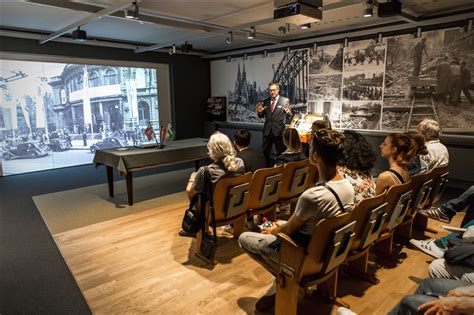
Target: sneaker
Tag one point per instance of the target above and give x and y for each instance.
(265, 303)
(344, 311)
(436, 213)
(429, 247)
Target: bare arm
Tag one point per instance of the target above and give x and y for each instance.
(384, 181)
(189, 187)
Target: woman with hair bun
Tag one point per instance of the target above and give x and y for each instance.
(222, 153)
(316, 203)
(399, 149)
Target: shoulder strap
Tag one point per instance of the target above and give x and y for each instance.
(209, 195)
(397, 174)
(339, 202)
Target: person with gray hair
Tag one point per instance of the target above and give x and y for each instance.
(437, 152)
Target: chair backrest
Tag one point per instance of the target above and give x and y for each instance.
(440, 177)
(421, 185)
(265, 187)
(294, 179)
(369, 215)
(329, 244)
(399, 200)
(231, 196)
(313, 176)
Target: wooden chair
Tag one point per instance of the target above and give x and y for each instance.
(398, 199)
(264, 191)
(369, 215)
(439, 176)
(317, 264)
(313, 176)
(295, 178)
(421, 185)
(230, 197)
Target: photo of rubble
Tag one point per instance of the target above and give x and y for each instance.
(326, 59)
(432, 73)
(361, 115)
(364, 55)
(325, 87)
(363, 86)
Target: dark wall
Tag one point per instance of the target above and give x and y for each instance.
(461, 150)
(189, 75)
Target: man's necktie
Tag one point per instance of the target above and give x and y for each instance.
(273, 105)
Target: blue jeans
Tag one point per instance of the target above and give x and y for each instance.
(458, 204)
(429, 289)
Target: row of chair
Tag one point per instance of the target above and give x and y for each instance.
(344, 238)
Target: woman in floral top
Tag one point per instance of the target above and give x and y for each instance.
(355, 166)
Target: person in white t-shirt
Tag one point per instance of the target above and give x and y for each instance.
(437, 152)
(314, 204)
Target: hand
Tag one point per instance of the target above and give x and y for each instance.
(260, 108)
(462, 291)
(270, 229)
(442, 306)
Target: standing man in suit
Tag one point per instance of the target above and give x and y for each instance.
(275, 109)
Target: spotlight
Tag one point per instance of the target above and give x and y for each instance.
(229, 39)
(79, 35)
(229, 59)
(265, 54)
(172, 50)
(368, 12)
(134, 13)
(251, 33)
(346, 42)
(305, 26)
(186, 47)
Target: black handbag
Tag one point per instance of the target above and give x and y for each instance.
(193, 220)
(208, 248)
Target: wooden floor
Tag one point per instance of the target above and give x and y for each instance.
(139, 264)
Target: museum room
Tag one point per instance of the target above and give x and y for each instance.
(237, 157)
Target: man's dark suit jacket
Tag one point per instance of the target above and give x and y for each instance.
(252, 160)
(274, 122)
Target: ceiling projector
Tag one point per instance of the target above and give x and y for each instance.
(298, 11)
(79, 35)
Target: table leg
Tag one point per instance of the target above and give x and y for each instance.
(110, 180)
(196, 164)
(129, 180)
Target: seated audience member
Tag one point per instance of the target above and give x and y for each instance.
(222, 153)
(448, 210)
(324, 123)
(252, 160)
(438, 296)
(293, 152)
(313, 205)
(355, 166)
(418, 166)
(437, 152)
(399, 150)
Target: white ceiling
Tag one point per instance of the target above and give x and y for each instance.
(205, 24)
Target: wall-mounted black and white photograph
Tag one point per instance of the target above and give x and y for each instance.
(366, 85)
(365, 55)
(326, 59)
(245, 82)
(432, 74)
(361, 115)
(325, 87)
(331, 109)
(56, 115)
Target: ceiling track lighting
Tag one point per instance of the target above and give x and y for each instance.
(346, 42)
(79, 35)
(172, 50)
(265, 54)
(417, 34)
(229, 59)
(229, 39)
(251, 33)
(305, 26)
(368, 12)
(134, 13)
(379, 39)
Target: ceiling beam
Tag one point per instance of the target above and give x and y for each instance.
(119, 6)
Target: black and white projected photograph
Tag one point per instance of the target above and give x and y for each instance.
(365, 55)
(326, 59)
(365, 85)
(361, 115)
(432, 74)
(55, 114)
(325, 87)
(332, 109)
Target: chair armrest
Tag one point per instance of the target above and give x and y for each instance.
(292, 256)
(288, 239)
